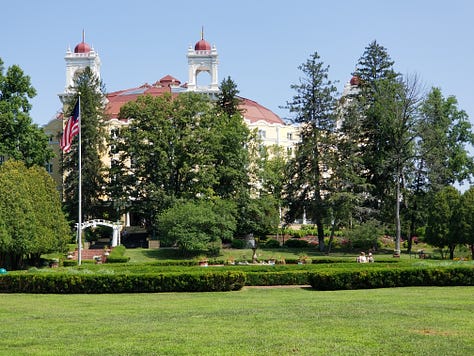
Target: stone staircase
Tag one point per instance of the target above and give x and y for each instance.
(100, 255)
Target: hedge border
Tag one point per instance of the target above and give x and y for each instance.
(391, 278)
(64, 283)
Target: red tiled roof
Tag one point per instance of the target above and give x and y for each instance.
(255, 112)
(252, 111)
(119, 98)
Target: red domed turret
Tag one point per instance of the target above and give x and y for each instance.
(82, 48)
(202, 45)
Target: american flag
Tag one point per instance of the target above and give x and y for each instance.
(71, 129)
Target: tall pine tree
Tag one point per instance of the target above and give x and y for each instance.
(91, 91)
(314, 108)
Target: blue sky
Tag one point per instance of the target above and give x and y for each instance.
(260, 43)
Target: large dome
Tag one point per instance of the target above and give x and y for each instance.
(202, 45)
(82, 48)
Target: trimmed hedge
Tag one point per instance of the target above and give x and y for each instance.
(277, 278)
(389, 278)
(64, 283)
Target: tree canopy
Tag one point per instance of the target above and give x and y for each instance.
(20, 139)
(314, 106)
(31, 219)
(92, 109)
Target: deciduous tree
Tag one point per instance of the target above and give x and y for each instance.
(31, 219)
(442, 228)
(20, 139)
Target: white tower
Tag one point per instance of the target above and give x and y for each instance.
(202, 58)
(82, 57)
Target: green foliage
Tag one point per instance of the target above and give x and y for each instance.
(93, 148)
(444, 133)
(392, 278)
(276, 278)
(296, 243)
(465, 218)
(441, 230)
(227, 98)
(117, 255)
(31, 218)
(314, 108)
(20, 139)
(65, 283)
(180, 148)
(272, 243)
(258, 216)
(365, 236)
(238, 243)
(197, 226)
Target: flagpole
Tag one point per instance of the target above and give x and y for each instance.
(79, 229)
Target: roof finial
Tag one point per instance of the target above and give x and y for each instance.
(202, 32)
(83, 36)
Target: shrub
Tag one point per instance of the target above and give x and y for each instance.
(365, 236)
(272, 243)
(296, 243)
(65, 283)
(117, 255)
(239, 243)
(388, 278)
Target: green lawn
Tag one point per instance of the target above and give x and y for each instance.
(253, 321)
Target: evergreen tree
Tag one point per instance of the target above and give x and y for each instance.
(314, 109)
(232, 160)
(91, 91)
(375, 72)
(20, 139)
(227, 98)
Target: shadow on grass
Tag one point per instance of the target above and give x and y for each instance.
(164, 253)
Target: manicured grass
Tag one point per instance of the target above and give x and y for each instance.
(254, 321)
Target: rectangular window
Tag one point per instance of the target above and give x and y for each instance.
(289, 136)
(114, 133)
(262, 133)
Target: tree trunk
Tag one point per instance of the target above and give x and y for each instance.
(320, 234)
(331, 238)
(451, 251)
(397, 218)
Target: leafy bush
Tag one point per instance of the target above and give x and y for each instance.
(296, 243)
(197, 226)
(239, 243)
(117, 255)
(389, 278)
(272, 243)
(65, 283)
(365, 236)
